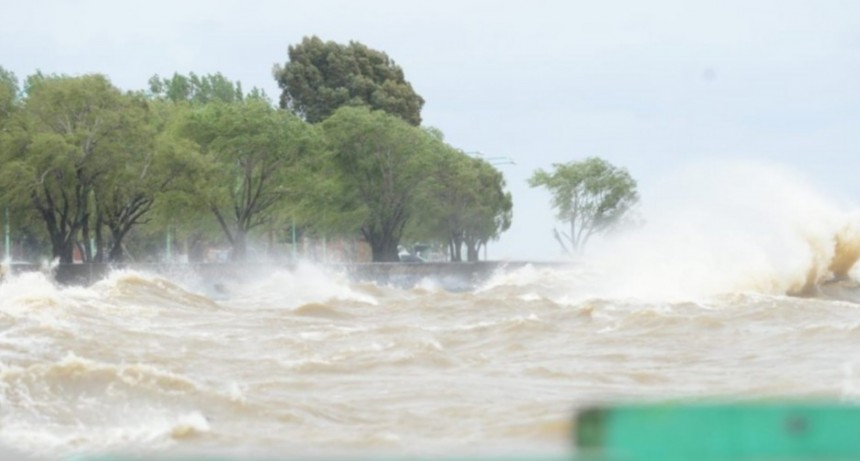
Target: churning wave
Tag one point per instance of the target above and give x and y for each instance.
(738, 287)
(731, 228)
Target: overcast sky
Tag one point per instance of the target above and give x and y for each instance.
(651, 86)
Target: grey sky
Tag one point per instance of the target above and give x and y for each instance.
(651, 86)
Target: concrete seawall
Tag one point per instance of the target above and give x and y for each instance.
(451, 276)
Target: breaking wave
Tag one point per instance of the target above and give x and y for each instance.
(98, 406)
(731, 227)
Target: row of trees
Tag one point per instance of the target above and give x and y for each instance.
(88, 166)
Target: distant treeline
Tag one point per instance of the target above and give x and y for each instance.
(88, 167)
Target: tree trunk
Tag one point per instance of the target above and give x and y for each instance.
(100, 253)
(196, 248)
(456, 244)
(384, 242)
(472, 251)
(87, 252)
(62, 247)
(384, 249)
(65, 252)
(240, 246)
(573, 238)
(116, 254)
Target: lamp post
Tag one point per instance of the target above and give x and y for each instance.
(293, 231)
(169, 244)
(8, 239)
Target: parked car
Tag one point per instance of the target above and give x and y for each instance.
(410, 258)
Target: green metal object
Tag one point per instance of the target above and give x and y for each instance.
(711, 432)
(293, 231)
(169, 245)
(8, 240)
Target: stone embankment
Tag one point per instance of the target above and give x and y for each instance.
(451, 276)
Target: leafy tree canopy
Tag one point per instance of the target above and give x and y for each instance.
(149, 162)
(492, 207)
(379, 162)
(200, 89)
(8, 93)
(84, 156)
(253, 154)
(60, 146)
(464, 203)
(322, 76)
(591, 196)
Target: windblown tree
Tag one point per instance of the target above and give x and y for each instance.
(378, 162)
(176, 94)
(464, 204)
(13, 206)
(9, 108)
(442, 207)
(197, 89)
(490, 208)
(321, 77)
(85, 157)
(253, 154)
(8, 95)
(591, 196)
(149, 161)
(58, 147)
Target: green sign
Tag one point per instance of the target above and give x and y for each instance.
(712, 432)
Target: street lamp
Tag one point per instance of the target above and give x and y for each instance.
(8, 240)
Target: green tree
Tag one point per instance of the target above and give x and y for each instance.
(57, 149)
(591, 196)
(18, 211)
(253, 160)
(8, 95)
(197, 89)
(465, 204)
(321, 77)
(441, 208)
(149, 161)
(490, 210)
(9, 105)
(379, 162)
(86, 157)
(198, 228)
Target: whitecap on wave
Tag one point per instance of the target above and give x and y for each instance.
(289, 289)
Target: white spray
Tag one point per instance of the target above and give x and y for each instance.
(726, 228)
